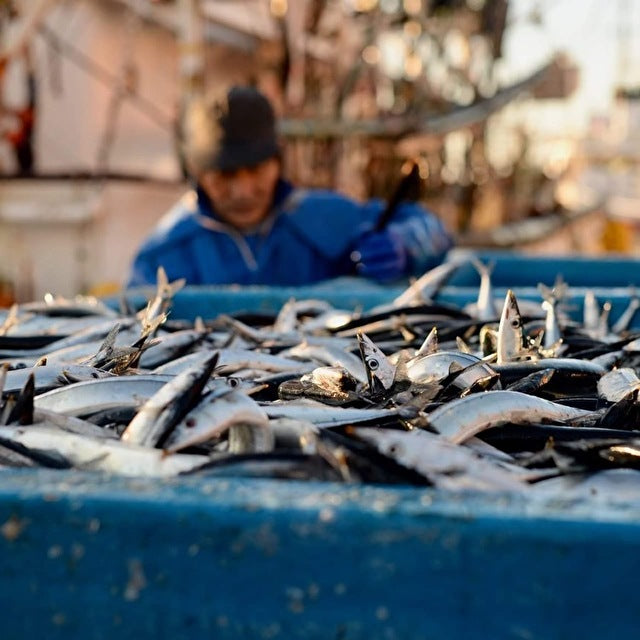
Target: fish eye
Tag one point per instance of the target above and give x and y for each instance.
(515, 323)
(373, 364)
(394, 449)
(233, 382)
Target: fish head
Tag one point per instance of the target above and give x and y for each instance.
(380, 372)
(510, 342)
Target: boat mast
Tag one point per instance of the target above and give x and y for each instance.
(191, 68)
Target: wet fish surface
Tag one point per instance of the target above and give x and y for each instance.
(520, 398)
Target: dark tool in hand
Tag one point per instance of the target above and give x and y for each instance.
(377, 255)
(408, 189)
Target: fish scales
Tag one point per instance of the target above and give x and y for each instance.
(382, 378)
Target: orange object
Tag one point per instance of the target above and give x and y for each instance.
(7, 294)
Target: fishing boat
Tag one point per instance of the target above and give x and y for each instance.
(122, 172)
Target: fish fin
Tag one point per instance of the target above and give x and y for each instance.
(22, 412)
(430, 344)
(462, 345)
(10, 320)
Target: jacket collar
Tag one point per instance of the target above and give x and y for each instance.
(282, 191)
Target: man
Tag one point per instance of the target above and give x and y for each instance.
(245, 224)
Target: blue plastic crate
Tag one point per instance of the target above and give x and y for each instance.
(518, 270)
(84, 556)
(609, 278)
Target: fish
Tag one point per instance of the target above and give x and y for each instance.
(420, 394)
(429, 345)
(43, 417)
(99, 454)
(618, 384)
(331, 385)
(591, 313)
(570, 365)
(51, 376)
(321, 415)
(380, 372)
(485, 307)
(510, 343)
(329, 355)
(92, 396)
(155, 312)
(436, 367)
(218, 413)
(444, 464)
(425, 288)
(79, 306)
(552, 339)
(170, 346)
(461, 419)
(626, 317)
(156, 418)
(93, 334)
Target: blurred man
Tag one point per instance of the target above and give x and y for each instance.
(245, 224)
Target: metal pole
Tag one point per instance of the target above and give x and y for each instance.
(190, 49)
(191, 69)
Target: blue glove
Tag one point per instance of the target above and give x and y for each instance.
(381, 256)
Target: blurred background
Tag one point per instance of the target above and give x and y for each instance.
(523, 117)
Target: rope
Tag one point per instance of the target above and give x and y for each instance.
(106, 77)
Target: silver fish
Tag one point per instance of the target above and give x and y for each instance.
(331, 355)
(155, 312)
(591, 313)
(435, 367)
(98, 454)
(45, 418)
(624, 321)
(427, 286)
(93, 334)
(287, 320)
(510, 333)
(618, 384)
(50, 376)
(552, 334)
(485, 306)
(559, 364)
(92, 396)
(217, 413)
(168, 347)
(446, 465)
(461, 419)
(160, 413)
(429, 345)
(233, 360)
(321, 415)
(78, 306)
(380, 372)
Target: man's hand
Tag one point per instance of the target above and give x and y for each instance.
(380, 256)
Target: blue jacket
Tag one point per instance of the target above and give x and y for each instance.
(308, 237)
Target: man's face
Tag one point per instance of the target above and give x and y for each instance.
(242, 198)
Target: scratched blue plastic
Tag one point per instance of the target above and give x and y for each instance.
(94, 558)
(609, 278)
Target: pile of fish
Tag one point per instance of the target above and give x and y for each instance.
(502, 395)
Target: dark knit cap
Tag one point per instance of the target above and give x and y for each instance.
(248, 131)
